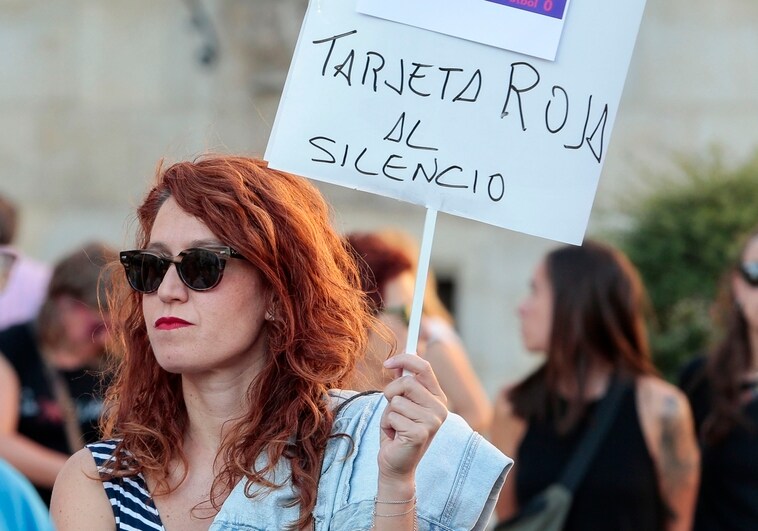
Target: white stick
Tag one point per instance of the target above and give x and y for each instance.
(414, 325)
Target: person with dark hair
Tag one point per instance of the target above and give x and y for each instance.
(22, 280)
(585, 312)
(241, 317)
(50, 370)
(723, 391)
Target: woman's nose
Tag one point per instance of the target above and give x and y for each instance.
(521, 310)
(172, 287)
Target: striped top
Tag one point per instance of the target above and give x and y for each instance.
(132, 505)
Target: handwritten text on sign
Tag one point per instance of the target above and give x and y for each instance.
(449, 124)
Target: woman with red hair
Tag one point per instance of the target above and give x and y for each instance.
(225, 412)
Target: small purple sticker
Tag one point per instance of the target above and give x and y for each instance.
(550, 8)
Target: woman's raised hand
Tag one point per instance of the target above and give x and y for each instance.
(416, 410)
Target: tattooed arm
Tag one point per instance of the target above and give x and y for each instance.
(667, 424)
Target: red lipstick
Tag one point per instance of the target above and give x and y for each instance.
(170, 323)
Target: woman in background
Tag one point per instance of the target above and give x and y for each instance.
(723, 391)
(585, 312)
(51, 368)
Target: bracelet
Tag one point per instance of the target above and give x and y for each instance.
(413, 499)
(395, 514)
(397, 502)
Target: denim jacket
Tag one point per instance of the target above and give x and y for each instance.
(457, 481)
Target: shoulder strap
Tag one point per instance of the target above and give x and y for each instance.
(62, 395)
(576, 468)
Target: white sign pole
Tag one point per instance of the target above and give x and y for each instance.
(422, 269)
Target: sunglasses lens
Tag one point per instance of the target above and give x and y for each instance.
(144, 271)
(200, 269)
(750, 273)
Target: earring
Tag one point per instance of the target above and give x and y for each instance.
(269, 315)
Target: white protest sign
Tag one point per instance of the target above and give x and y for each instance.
(532, 27)
(454, 125)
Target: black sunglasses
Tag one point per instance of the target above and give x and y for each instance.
(199, 268)
(749, 272)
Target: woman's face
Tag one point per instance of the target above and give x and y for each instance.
(747, 295)
(536, 312)
(200, 331)
(86, 333)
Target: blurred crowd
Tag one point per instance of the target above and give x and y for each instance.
(53, 338)
(672, 456)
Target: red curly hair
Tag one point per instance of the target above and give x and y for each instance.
(281, 224)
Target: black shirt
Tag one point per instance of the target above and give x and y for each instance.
(41, 416)
(728, 497)
(620, 490)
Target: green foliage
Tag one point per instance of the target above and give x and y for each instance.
(683, 237)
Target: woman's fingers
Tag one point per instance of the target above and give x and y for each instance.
(419, 401)
(396, 425)
(407, 429)
(420, 368)
(417, 396)
(415, 411)
(407, 408)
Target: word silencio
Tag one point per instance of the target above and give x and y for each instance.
(451, 84)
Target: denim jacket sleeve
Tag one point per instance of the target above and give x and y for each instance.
(457, 481)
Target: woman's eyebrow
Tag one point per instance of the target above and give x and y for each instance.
(206, 242)
(158, 246)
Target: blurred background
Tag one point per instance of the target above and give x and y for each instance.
(93, 94)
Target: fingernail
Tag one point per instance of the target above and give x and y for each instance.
(389, 363)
